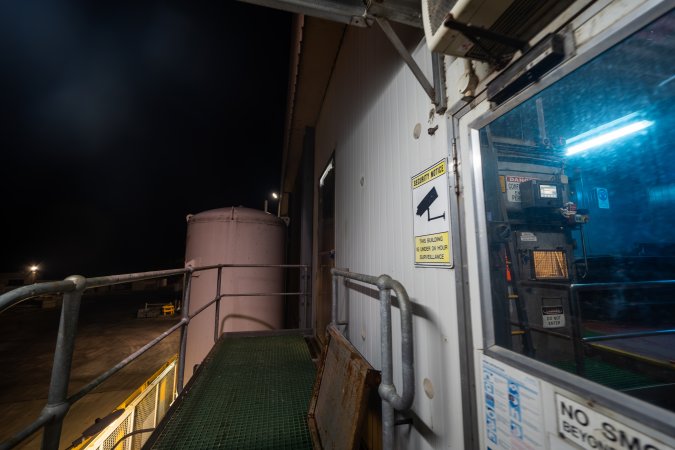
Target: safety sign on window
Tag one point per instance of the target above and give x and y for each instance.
(553, 316)
(603, 197)
(513, 412)
(431, 218)
(511, 185)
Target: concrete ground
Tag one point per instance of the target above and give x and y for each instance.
(108, 332)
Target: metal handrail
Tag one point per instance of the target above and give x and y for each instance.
(578, 340)
(58, 402)
(391, 399)
(575, 309)
(634, 334)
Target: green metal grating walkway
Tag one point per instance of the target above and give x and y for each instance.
(251, 393)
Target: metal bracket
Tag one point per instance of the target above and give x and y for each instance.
(407, 57)
(441, 100)
(455, 165)
(477, 34)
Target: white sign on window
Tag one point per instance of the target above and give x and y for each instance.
(553, 316)
(603, 197)
(513, 412)
(589, 429)
(513, 187)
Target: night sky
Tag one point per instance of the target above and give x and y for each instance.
(120, 118)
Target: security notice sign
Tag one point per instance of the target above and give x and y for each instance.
(431, 219)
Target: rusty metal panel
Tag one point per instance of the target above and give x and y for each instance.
(340, 395)
(371, 438)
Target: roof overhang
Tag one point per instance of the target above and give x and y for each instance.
(313, 53)
(351, 12)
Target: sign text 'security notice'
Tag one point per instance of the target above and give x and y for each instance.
(431, 218)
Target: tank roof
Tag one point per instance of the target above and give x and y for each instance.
(235, 214)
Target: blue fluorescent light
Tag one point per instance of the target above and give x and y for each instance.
(609, 136)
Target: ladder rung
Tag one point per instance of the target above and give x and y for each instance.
(513, 296)
(517, 332)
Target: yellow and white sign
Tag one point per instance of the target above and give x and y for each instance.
(431, 216)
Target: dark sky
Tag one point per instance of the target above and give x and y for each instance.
(117, 119)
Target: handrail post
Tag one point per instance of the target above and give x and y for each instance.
(388, 417)
(334, 301)
(306, 298)
(57, 404)
(217, 314)
(576, 325)
(185, 316)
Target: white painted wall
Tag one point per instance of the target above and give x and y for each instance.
(371, 108)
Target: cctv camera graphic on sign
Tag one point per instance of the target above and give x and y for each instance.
(425, 205)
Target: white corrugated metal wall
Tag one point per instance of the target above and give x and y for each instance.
(367, 119)
(371, 108)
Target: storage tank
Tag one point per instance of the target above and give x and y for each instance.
(234, 235)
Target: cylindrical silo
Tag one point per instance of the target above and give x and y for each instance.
(235, 235)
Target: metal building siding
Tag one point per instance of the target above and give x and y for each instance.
(371, 107)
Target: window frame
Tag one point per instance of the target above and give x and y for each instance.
(653, 417)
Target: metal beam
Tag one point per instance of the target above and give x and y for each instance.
(352, 12)
(407, 57)
(335, 11)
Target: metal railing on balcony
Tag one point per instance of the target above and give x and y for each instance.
(71, 289)
(391, 400)
(138, 416)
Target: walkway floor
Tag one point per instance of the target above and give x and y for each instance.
(251, 393)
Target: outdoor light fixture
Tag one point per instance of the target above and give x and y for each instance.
(606, 133)
(33, 269)
(275, 196)
(325, 173)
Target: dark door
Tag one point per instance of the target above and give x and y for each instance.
(326, 246)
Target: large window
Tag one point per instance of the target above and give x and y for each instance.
(580, 206)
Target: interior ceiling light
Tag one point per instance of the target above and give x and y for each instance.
(608, 132)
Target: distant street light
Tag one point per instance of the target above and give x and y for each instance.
(33, 272)
(275, 197)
